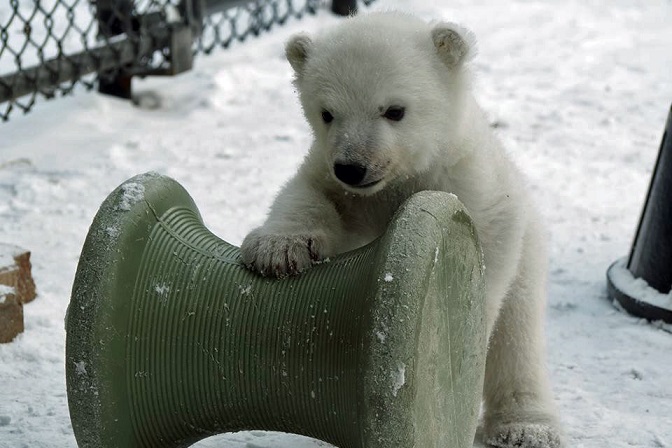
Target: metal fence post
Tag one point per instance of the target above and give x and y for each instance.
(114, 18)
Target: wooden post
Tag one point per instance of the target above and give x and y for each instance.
(16, 288)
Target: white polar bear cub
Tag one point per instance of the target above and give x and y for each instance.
(388, 98)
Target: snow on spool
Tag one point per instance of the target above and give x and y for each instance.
(642, 282)
(170, 339)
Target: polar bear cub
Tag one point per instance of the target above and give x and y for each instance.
(388, 99)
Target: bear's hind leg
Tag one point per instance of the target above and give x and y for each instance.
(518, 406)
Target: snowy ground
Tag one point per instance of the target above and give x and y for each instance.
(579, 89)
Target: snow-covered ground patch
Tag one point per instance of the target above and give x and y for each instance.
(579, 91)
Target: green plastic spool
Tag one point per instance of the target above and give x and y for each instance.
(170, 339)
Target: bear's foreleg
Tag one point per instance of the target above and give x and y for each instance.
(303, 227)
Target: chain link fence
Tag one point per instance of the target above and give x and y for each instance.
(49, 47)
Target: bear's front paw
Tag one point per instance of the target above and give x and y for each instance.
(525, 435)
(280, 255)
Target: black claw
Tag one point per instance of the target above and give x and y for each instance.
(313, 255)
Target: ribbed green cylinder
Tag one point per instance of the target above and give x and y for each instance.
(170, 339)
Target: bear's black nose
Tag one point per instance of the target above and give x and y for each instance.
(350, 174)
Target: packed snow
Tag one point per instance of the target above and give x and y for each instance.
(162, 290)
(132, 194)
(638, 288)
(7, 254)
(398, 378)
(578, 90)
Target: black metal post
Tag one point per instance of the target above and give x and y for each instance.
(651, 255)
(115, 18)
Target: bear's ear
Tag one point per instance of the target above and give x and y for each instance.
(454, 44)
(297, 50)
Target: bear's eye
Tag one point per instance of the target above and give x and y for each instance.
(327, 117)
(394, 113)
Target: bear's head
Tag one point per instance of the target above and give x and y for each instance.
(384, 94)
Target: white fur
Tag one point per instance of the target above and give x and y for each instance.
(356, 71)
